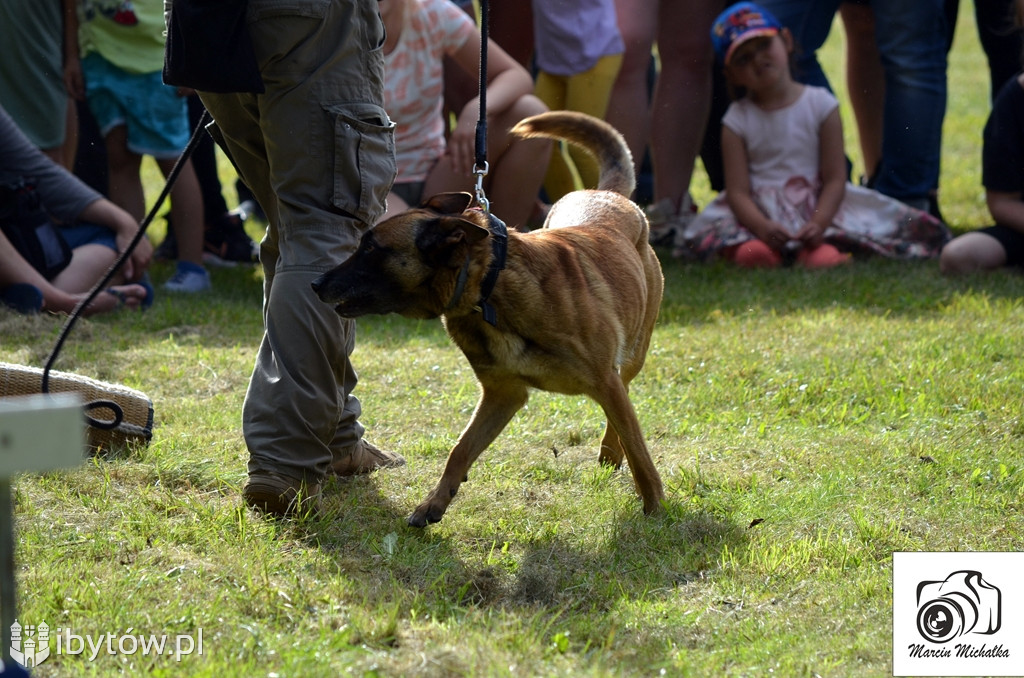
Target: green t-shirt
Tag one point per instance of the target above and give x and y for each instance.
(128, 34)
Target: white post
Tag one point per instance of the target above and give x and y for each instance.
(37, 433)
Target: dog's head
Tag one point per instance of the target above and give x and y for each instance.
(408, 264)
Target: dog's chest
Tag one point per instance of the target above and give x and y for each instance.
(511, 355)
(483, 345)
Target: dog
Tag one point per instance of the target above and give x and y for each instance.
(567, 308)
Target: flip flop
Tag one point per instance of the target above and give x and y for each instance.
(122, 298)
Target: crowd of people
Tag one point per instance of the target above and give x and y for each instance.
(366, 107)
(602, 57)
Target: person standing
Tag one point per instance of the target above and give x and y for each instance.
(579, 52)
(670, 124)
(32, 77)
(912, 40)
(121, 44)
(317, 149)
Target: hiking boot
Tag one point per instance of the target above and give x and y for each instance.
(365, 457)
(281, 496)
(225, 242)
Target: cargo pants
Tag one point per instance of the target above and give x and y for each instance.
(317, 150)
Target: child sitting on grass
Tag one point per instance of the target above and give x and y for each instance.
(787, 198)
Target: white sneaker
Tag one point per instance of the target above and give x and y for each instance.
(188, 281)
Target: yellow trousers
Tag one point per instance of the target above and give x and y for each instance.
(588, 92)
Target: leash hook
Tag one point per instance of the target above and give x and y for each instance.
(481, 197)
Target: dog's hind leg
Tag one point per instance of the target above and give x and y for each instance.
(611, 448)
(497, 405)
(614, 400)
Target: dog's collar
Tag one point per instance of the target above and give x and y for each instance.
(460, 284)
(499, 248)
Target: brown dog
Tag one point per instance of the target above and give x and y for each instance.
(575, 303)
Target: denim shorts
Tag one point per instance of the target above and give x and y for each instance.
(88, 234)
(155, 116)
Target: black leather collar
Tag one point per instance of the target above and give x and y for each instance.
(499, 249)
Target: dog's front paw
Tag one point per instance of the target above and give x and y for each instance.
(425, 514)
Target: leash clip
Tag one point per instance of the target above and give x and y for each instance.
(481, 197)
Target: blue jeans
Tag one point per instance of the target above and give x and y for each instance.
(911, 37)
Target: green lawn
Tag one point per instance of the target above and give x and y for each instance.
(806, 426)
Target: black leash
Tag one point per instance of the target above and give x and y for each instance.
(499, 233)
(480, 159)
(102, 285)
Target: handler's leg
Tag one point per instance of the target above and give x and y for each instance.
(317, 150)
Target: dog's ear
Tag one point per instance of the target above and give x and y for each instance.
(440, 240)
(449, 203)
(458, 229)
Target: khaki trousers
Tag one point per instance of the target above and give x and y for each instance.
(317, 150)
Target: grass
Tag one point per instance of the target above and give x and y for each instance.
(806, 426)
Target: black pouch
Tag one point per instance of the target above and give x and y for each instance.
(209, 48)
(30, 229)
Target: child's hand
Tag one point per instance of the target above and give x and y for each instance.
(811, 234)
(775, 235)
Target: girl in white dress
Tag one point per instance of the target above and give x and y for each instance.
(787, 198)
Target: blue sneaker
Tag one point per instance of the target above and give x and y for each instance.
(188, 278)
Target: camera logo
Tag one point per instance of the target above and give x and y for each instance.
(961, 603)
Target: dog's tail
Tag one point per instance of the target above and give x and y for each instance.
(595, 136)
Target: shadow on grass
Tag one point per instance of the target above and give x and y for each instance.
(635, 558)
(876, 285)
(645, 557)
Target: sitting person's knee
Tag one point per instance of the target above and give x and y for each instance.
(971, 252)
(951, 259)
(528, 105)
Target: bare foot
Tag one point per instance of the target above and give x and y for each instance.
(130, 296)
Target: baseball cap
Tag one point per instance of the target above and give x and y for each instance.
(739, 23)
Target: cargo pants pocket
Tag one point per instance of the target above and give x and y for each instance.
(364, 159)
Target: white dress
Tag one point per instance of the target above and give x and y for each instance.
(783, 149)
